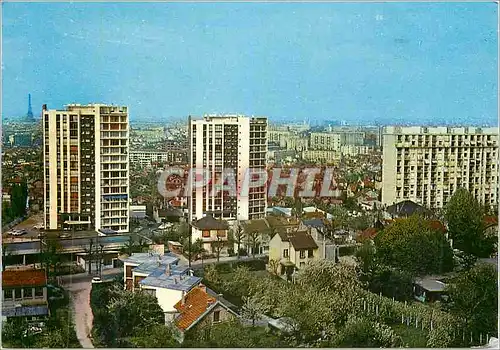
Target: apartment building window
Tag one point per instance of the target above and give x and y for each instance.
(8, 294)
(285, 253)
(28, 292)
(38, 292)
(302, 254)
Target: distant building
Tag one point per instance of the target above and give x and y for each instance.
(325, 141)
(222, 143)
(86, 167)
(427, 164)
(321, 156)
(146, 158)
(137, 211)
(21, 140)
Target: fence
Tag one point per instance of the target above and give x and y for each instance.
(420, 316)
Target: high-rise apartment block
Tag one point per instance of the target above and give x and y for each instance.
(219, 144)
(427, 164)
(86, 167)
(325, 141)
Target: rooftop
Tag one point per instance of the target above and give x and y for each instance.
(177, 279)
(210, 223)
(23, 278)
(257, 225)
(431, 285)
(406, 208)
(152, 257)
(196, 303)
(303, 240)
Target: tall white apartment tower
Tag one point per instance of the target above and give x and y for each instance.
(221, 143)
(427, 164)
(86, 167)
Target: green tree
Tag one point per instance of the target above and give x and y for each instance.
(239, 284)
(253, 309)
(366, 255)
(391, 282)
(19, 195)
(464, 216)
(157, 336)
(274, 265)
(474, 296)
(212, 275)
(236, 235)
(414, 246)
(232, 335)
(252, 240)
(360, 332)
(133, 310)
(217, 246)
(51, 255)
(360, 223)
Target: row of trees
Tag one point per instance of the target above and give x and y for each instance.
(17, 207)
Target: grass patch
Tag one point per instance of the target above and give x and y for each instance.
(412, 337)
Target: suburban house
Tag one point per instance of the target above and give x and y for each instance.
(283, 224)
(291, 251)
(138, 266)
(212, 232)
(308, 211)
(256, 236)
(24, 294)
(327, 248)
(405, 209)
(161, 277)
(198, 309)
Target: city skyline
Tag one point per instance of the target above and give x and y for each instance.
(352, 62)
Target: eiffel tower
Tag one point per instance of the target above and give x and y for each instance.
(29, 116)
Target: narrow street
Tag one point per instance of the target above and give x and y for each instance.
(79, 287)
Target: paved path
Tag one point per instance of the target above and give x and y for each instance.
(79, 287)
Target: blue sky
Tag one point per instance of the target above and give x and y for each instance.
(390, 62)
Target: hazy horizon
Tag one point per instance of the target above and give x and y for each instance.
(391, 63)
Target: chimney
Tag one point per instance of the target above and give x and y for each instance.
(203, 287)
(167, 270)
(183, 300)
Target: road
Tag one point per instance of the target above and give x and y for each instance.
(79, 286)
(222, 259)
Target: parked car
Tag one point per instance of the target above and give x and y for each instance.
(96, 280)
(64, 235)
(18, 232)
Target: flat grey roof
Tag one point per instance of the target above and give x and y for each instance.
(177, 280)
(431, 285)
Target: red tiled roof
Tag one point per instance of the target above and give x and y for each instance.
(196, 302)
(491, 220)
(24, 278)
(369, 233)
(437, 225)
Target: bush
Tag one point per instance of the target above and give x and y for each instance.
(253, 265)
(345, 251)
